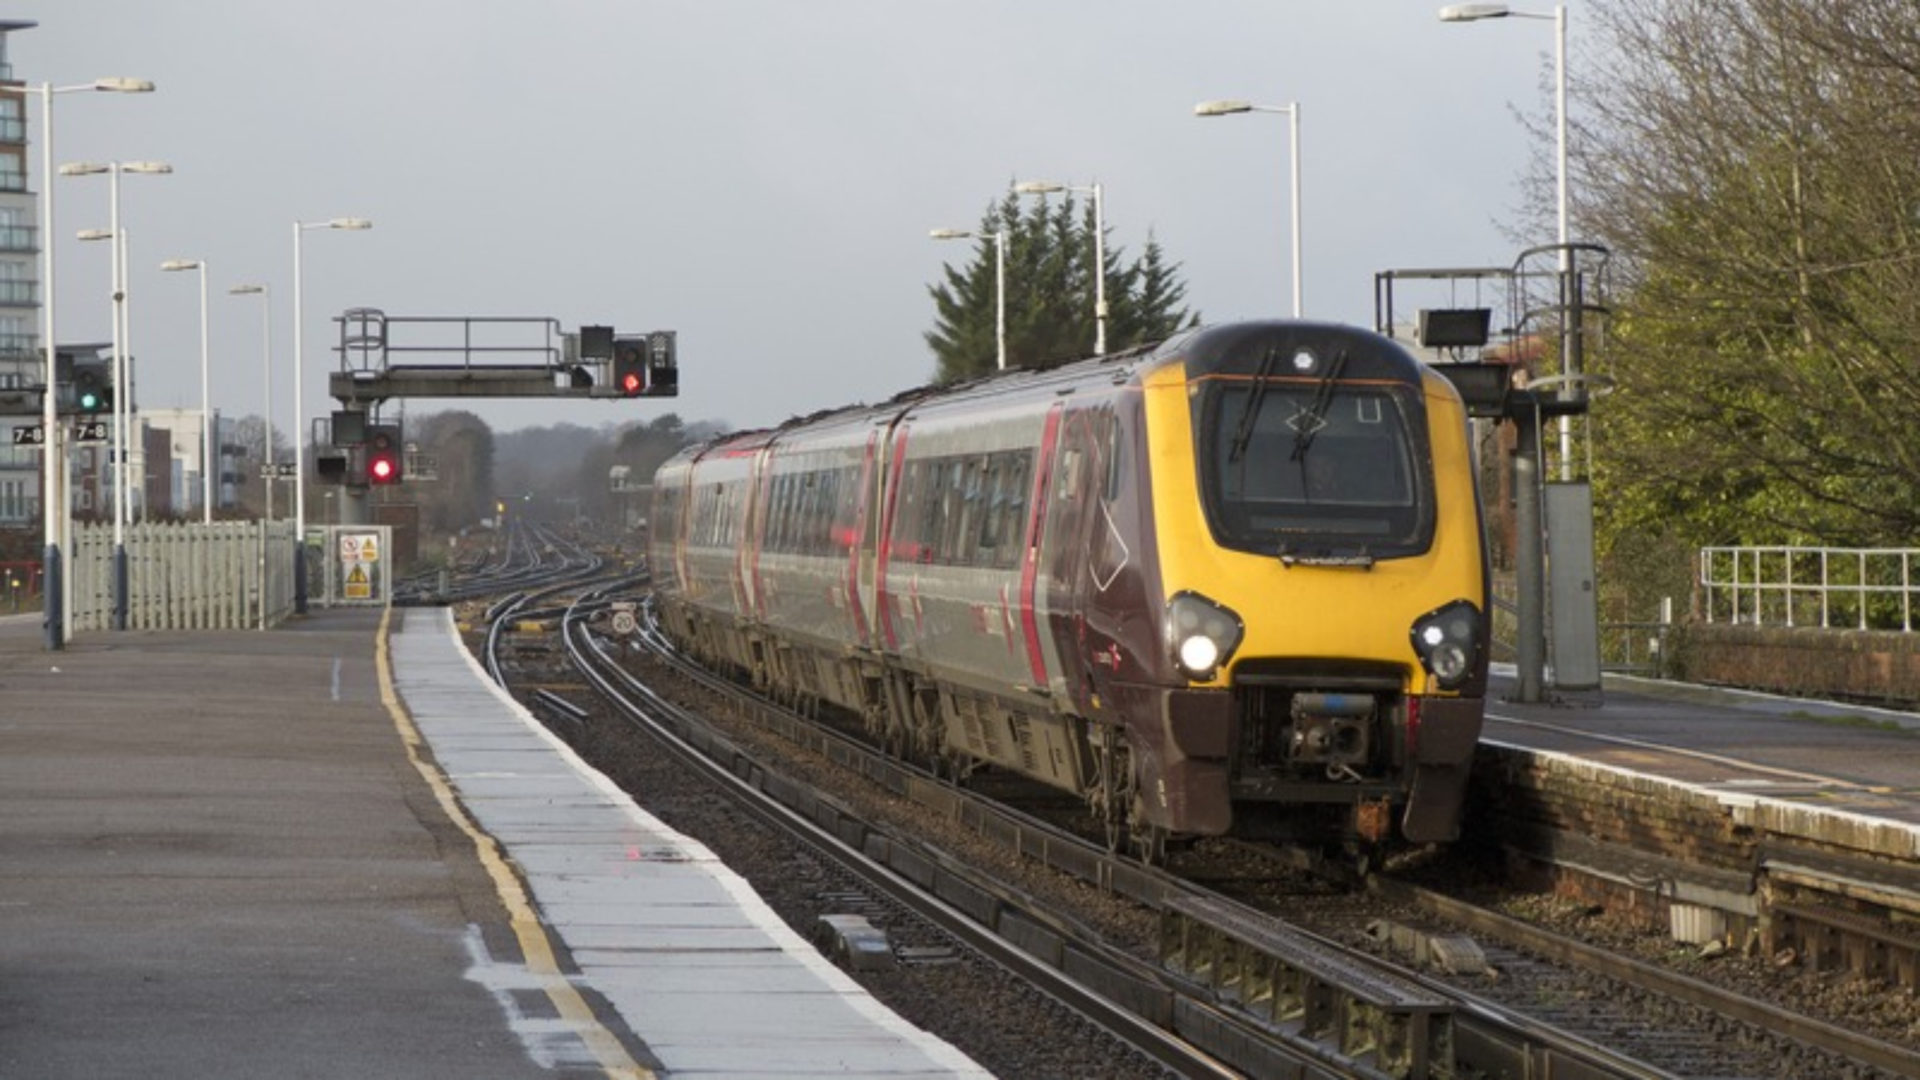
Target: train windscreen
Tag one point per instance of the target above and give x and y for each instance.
(1313, 471)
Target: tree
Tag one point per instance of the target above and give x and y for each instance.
(1756, 166)
(1050, 318)
(249, 434)
(462, 447)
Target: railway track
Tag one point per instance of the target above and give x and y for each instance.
(1196, 979)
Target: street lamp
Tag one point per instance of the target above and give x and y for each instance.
(57, 587)
(1047, 187)
(299, 412)
(266, 351)
(999, 281)
(1569, 340)
(208, 458)
(1292, 109)
(122, 399)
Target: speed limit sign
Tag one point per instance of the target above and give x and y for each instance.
(623, 621)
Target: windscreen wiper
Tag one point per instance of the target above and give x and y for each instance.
(1310, 421)
(1243, 435)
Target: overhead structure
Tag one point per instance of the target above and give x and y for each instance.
(383, 357)
(391, 356)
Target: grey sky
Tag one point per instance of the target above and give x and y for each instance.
(759, 175)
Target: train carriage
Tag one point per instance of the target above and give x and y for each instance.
(810, 604)
(1233, 582)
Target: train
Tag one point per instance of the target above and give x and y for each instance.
(1233, 582)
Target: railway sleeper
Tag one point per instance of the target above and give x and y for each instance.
(1826, 939)
(1303, 990)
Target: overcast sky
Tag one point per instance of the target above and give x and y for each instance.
(759, 175)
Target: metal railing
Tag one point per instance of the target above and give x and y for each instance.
(1846, 588)
(1626, 647)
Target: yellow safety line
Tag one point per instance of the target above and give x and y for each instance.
(534, 946)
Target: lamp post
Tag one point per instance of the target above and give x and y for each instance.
(1569, 334)
(208, 458)
(299, 411)
(122, 402)
(56, 586)
(999, 281)
(1047, 187)
(266, 351)
(1292, 109)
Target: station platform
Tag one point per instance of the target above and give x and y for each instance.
(243, 854)
(295, 853)
(1827, 758)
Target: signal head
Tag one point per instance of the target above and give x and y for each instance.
(383, 454)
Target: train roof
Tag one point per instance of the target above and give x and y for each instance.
(1293, 348)
(1237, 348)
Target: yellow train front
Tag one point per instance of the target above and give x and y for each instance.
(1317, 561)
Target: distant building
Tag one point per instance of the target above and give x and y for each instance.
(182, 466)
(21, 362)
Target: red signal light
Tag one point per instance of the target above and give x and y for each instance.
(383, 454)
(631, 384)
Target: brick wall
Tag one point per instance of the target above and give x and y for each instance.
(1870, 665)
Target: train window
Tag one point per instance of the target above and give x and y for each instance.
(1019, 488)
(846, 510)
(776, 530)
(1340, 474)
(993, 517)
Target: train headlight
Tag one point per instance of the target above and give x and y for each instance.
(1201, 634)
(1447, 640)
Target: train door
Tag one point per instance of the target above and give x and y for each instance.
(1080, 468)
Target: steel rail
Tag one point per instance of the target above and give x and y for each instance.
(660, 718)
(1861, 1048)
(1507, 1040)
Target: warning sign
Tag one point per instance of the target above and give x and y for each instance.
(359, 547)
(358, 587)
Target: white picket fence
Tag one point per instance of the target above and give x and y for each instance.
(229, 575)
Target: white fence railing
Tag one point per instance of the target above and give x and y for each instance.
(230, 575)
(1851, 588)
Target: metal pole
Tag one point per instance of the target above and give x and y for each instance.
(1099, 274)
(53, 455)
(1529, 562)
(208, 463)
(1569, 313)
(266, 350)
(1293, 123)
(1000, 295)
(118, 469)
(299, 445)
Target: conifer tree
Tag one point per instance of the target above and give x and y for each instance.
(1050, 316)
